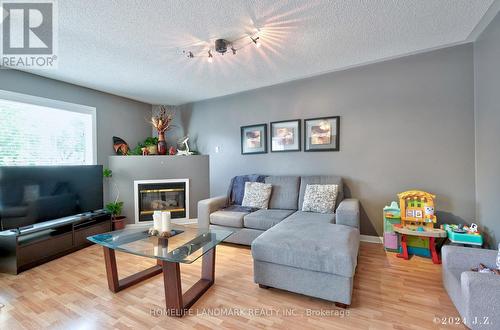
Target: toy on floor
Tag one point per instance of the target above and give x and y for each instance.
(418, 235)
(464, 235)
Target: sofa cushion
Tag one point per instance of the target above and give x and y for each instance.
(285, 192)
(320, 198)
(313, 217)
(257, 195)
(320, 179)
(310, 241)
(237, 187)
(228, 218)
(265, 219)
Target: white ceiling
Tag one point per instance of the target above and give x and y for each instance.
(133, 48)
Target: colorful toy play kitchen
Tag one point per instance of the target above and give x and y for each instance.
(414, 222)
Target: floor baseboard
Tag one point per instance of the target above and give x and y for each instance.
(371, 239)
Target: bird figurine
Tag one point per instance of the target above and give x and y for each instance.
(183, 143)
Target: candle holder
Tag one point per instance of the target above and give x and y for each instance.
(166, 234)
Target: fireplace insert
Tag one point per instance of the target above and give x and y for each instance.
(161, 195)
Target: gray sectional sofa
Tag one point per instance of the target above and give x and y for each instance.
(309, 253)
(476, 296)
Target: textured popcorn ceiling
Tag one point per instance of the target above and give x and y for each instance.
(132, 48)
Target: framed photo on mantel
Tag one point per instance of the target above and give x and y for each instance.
(322, 134)
(285, 135)
(254, 139)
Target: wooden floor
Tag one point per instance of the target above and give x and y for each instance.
(72, 293)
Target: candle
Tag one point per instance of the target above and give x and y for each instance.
(165, 222)
(155, 249)
(157, 220)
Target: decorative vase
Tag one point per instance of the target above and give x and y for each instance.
(162, 145)
(152, 150)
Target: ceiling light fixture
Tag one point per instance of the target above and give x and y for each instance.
(221, 46)
(256, 41)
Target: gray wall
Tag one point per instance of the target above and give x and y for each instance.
(115, 115)
(487, 110)
(128, 169)
(406, 124)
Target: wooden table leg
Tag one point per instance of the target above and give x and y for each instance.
(116, 284)
(177, 303)
(111, 269)
(208, 266)
(404, 248)
(173, 288)
(434, 254)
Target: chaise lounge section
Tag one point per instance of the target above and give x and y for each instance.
(304, 252)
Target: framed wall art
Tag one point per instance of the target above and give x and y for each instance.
(254, 139)
(322, 134)
(285, 135)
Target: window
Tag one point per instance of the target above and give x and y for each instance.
(39, 131)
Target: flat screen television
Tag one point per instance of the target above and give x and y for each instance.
(33, 194)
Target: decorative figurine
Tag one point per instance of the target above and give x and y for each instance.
(184, 143)
(120, 146)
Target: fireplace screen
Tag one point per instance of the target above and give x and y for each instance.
(161, 196)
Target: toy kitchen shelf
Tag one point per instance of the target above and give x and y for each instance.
(463, 238)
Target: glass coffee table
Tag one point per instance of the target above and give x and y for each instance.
(185, 246)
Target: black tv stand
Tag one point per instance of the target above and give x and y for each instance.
(26, 247)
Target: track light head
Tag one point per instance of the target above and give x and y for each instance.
(256, 41)
(221, 46)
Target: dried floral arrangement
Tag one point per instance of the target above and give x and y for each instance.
(162, 120)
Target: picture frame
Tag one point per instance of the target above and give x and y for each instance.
(285, 135)
(254, 139)
(322, 134)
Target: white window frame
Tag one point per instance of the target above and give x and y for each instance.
(60, 105)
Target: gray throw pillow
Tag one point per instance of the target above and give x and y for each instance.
(320, 198)
(257, 195)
